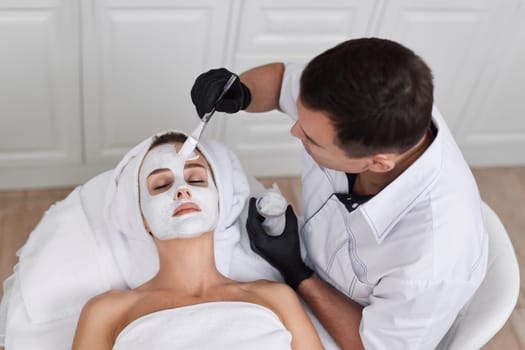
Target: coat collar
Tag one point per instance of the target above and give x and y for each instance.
(381, 213)
(387, 207)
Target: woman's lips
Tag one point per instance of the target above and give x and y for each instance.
(186, 208)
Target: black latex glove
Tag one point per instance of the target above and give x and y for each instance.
(207, 88)
(282, 252)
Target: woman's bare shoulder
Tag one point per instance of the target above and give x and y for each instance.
(109, 305)
(99, 320)
(275, 295)
(111, 296)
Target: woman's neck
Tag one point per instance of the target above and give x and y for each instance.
(187, 266)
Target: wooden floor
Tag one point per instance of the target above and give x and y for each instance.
(502, 188)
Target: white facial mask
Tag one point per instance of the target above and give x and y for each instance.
(158, 209)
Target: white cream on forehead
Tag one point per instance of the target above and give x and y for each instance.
(188, 148)
(158, 209)
(191, 142)
(162, 155)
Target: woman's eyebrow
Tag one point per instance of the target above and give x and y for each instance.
(156, 171)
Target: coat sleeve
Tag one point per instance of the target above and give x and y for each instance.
(412, 314)
(290, 89)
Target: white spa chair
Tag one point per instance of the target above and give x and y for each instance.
(495, 299)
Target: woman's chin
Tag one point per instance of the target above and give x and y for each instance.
(184, 235)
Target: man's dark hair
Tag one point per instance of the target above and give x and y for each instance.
(377, 93)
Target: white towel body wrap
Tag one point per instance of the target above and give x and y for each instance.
(211, 325)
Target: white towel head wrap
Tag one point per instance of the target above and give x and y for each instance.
(133, 247)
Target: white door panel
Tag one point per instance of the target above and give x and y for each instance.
(263, 143)
(39, 89)
(494, 129)
(141, 58)
(298, 26)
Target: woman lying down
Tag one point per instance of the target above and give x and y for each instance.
(189, 304)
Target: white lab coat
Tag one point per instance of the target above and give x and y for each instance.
(413, 255)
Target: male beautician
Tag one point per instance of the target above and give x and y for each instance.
(394, 238)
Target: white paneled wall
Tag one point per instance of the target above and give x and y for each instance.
(81, 82)
(493, 128)
(39, 84)
(140, 60)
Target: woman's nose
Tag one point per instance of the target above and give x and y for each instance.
(182, 193)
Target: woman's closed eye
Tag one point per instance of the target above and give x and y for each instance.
(196, 176)
(197, 180)
(160, 187)
(160, 182)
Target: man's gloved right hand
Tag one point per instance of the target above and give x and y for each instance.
(284, 251)
(207, 88)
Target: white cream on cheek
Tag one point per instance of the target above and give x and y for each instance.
(158, 208)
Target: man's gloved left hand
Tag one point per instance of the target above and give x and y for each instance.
(282, 252)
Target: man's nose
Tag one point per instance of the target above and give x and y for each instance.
(182, 193)
(295, 130)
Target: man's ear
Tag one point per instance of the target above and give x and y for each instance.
(382, 163)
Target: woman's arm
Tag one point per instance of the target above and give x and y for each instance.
(286, 304)
(97, 322)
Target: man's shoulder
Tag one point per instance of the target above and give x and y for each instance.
(445, 235)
